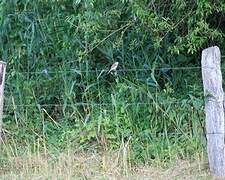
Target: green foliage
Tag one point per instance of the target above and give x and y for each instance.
(57, 92)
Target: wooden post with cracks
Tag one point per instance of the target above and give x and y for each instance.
(214, 110)
(2, 83)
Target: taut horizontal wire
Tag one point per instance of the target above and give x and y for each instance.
(103, 70)
(77, 71)
(93, 104)
(150, 133)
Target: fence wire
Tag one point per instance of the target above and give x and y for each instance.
(97, 104)
(46, 71)
(73, 70)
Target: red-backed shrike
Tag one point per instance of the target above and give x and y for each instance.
(113, 67)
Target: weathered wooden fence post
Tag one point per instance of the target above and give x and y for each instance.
(2, 82)
(214, 110)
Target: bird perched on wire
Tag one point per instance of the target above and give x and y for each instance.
(113, 67)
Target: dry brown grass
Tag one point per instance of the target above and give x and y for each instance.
(115, 165)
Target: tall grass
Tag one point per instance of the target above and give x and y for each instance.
(157, 123)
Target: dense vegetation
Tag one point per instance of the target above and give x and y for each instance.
(59, 96)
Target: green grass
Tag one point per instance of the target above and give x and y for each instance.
(161, 127)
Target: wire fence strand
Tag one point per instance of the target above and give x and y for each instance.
(77, 71)
(98, 104)
(46, 71)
